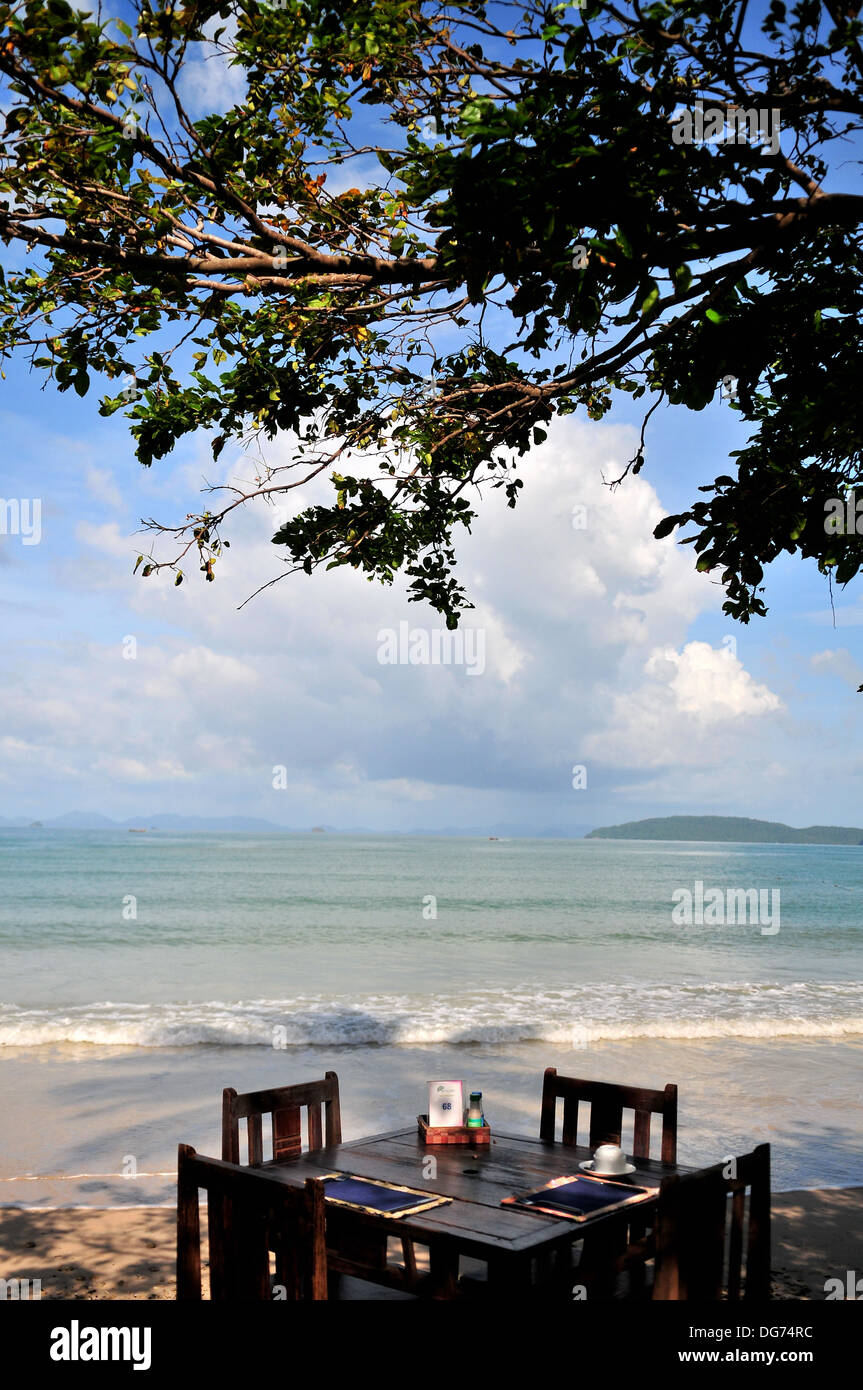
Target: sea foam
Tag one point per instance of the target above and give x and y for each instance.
(574, 1017)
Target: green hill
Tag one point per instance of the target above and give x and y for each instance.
(739, 829)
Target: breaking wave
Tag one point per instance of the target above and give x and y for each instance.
(564, 1017)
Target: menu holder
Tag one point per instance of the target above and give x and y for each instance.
(453, 1134)
(579, 1198)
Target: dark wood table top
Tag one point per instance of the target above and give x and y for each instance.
(476, 1179)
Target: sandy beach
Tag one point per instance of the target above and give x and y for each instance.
(128, 1253)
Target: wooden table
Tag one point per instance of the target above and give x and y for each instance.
(523, 1250)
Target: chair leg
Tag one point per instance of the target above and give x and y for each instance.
(410, 1260)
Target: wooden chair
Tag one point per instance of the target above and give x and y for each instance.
(599, 1253)
(248, 1215)
(607, 1103)
(703, 1225)
(285, 1105)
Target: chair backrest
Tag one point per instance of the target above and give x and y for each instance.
(248, 1215)
(286, 1105)
(705, 1223)
(607, 1103)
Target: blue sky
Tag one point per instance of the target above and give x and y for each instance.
(603, 649)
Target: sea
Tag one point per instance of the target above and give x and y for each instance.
(142, 973)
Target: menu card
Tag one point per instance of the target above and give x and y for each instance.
(446, 1103)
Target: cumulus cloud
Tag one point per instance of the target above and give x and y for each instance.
(691, 702)
(711, 684)
(588, 657)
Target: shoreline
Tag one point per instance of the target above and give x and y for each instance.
(802, 1098)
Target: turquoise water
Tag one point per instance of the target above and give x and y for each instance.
(141, 973)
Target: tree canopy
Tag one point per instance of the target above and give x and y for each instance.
(546, 227)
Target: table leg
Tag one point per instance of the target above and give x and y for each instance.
(602, 1247)
(443, 1270)
(510, 1276)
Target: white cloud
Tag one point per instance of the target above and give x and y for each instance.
(106, 538)
(838, 662)
(588, 658)
(135, 770)
(197, 664)
(208, 83)
(102, 485)
(711, 684)
(692, 703)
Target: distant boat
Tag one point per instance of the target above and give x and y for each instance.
(494, 837)
(317, 830)
(137, 829)
(36, 825)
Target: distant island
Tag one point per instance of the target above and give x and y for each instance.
(739, 829)
(730, 829)
(95, 820)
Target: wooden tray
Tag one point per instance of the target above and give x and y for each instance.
(453, 1134)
